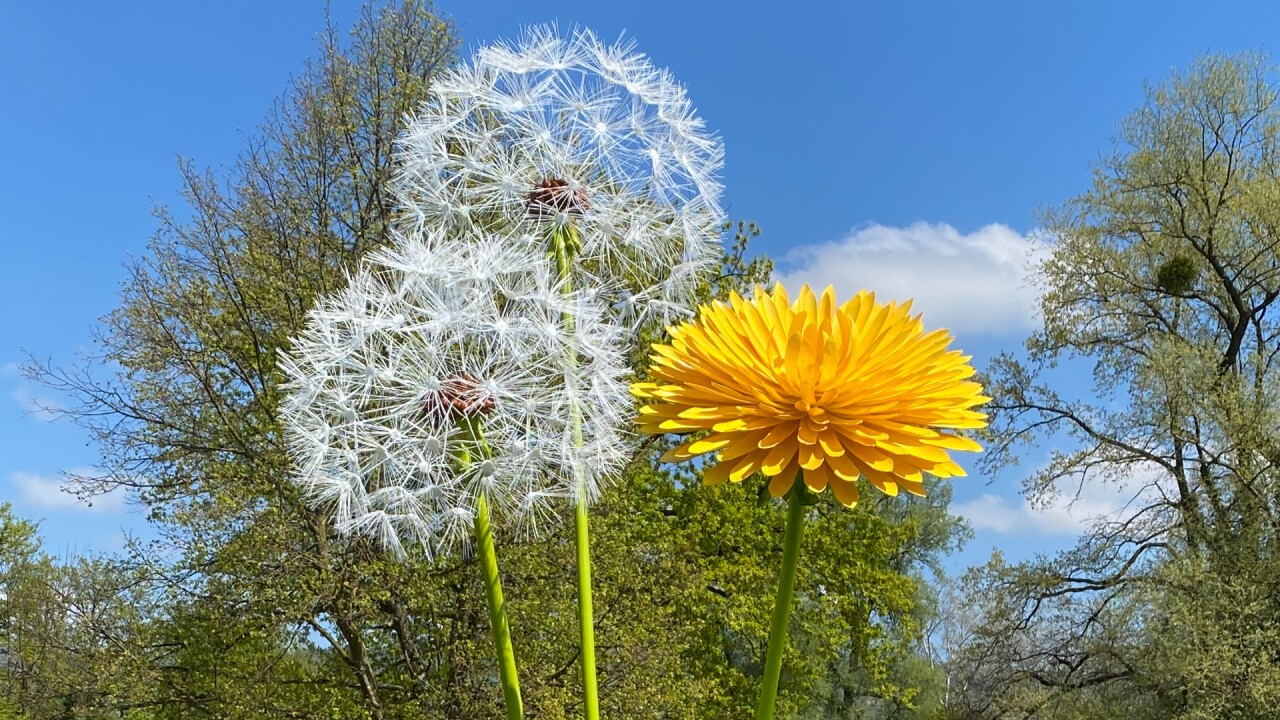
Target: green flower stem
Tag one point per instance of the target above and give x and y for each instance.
(498, 623)
(590, 696)
(564, 245)
(782, 605)
(498, 613)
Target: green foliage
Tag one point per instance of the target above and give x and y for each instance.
(68, 631)
(1214, 651)
(1177, 275)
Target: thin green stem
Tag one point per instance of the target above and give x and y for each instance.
(499, 626)
(498, 613)
(782, 605)
(564, 245)
(590, 696)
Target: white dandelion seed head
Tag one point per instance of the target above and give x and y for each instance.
(634, 169)
(379, 430)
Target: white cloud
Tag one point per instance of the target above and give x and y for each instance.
(969, 283)
(40, 408)
(1069, 513)
(1000, 515)
(45, 491)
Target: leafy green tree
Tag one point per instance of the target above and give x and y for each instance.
(1163, 280)
(67, 631)
(18, 546)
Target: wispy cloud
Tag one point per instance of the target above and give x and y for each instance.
(1069, 513)
(1001, 515)
(36, 406)
(977, 282)
(48, 492)
(40, 408)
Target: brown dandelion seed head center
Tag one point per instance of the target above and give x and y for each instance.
(462, 395)
(554, 196)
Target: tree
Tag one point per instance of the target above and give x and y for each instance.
(66, 630)
(18, 546)
(1162, 279)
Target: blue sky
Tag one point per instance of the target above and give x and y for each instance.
(905, 146)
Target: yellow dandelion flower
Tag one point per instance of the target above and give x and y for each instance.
(814, 389)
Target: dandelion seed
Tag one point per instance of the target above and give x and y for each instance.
(550, 132)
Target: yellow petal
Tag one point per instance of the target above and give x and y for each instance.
(745, 466)
(830, 442)
(913, 487)
(846, 491)
(810, 456)
(806, 433)
(816, 478)
(716, 474)
(954, 442)
(781, 483)
(779, 433)
(696, 448)
(778, 457)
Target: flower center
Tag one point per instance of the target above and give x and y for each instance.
(814, 412)
(462, 394)
(554, 196)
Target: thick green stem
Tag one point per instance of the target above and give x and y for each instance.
(498, 613)
(782, 605)
(499, 626)
(564, 245)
